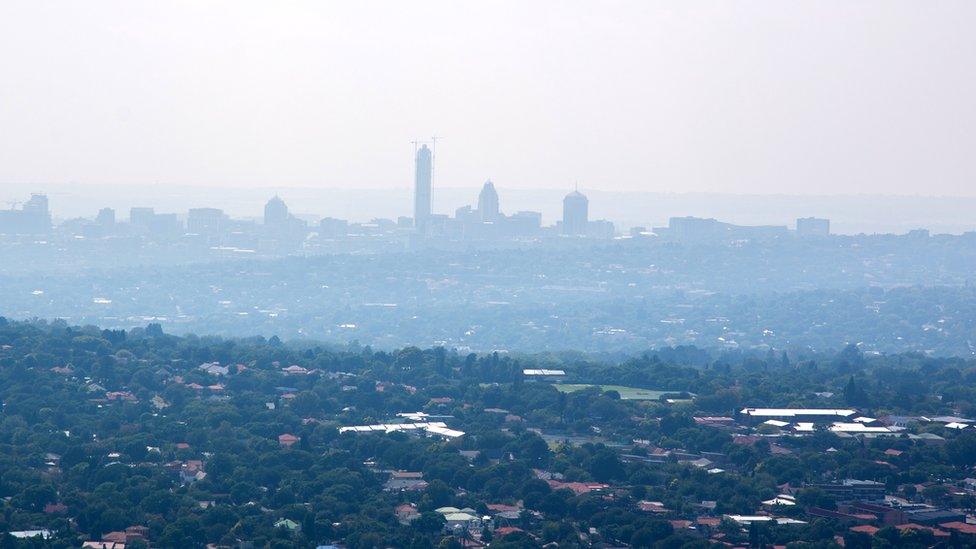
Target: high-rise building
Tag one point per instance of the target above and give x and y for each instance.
(575, 214)
(423, 179)
(812, 226)
(33, 218)
(488, 203)
(205, 221)
(275, 212)
(141, 217)
(105, 217)
(36, 213)
(37, 205)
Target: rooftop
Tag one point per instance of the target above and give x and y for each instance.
(795, 412)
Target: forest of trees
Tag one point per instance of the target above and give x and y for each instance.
(98, 428)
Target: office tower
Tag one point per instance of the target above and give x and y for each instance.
(333, 228)
(33, 218)
(275, 211)
(488, 203)
(37, 205)
(525, 223)
(423, 179)
(141, 217)
(105, 217)
(812, 226)
(37, 217)
(575, 214)
(206, 221)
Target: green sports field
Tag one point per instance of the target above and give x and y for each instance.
(626, 393)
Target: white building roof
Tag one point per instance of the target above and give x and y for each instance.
(445, 432)
(415, 416)
(749, 519)
(434, 427)
(796, 412)
(543, 372)
(459, 517)
(857, 428)
(782, 499)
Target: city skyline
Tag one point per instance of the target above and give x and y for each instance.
(427, 213)
(849, 214)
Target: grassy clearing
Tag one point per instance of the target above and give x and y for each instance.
(626, 393)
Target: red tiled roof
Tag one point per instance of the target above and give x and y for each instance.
(54, 508)
(577, 487)
(287, 439)
(502, 508)
(118, 537)
(961, 527)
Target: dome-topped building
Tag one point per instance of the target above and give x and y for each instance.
(275, 211)
(575, 214)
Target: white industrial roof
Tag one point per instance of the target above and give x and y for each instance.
(436, 427)
(857, 428)
(543, 372)
(782, 499)
(794, 412)
(444, 431)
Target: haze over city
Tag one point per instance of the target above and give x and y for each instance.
(747, 98)
(429, 274)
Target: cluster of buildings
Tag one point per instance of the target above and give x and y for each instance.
(696, 229)
(841, 422)
(280, 231)
(33, 217)
(487, 220)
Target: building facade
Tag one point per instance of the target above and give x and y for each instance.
(423, 180)
(575, 214)
(488, 203)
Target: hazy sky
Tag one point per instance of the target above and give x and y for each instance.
(747, 97)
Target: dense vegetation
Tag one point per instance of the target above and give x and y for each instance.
(119, 410)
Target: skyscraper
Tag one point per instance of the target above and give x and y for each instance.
(36, 213)
(105, 217)
(488, 203)
(422, 188)
(275, 211)
(33, 218)
(205, 221)
(575, 214)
